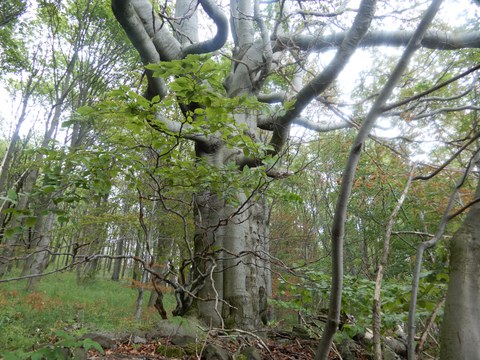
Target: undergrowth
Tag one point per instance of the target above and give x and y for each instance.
(30, 319)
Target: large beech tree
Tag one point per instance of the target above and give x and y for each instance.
(271, 62)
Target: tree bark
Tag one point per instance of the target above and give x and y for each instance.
(235, 276)
(460, 335)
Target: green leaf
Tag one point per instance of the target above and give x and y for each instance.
(88, 344)
(63, 334)
(287, 105)
(31, 221)
(63, 219)
(86, 110)
(12, 194)
(9, 233)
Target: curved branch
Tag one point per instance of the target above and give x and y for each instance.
(220, 38)
(453, 157)
(268, 124)
(458, 212)
(126, 15)
(184, 131)
(320, 127)
(445, 110)
(165, 43)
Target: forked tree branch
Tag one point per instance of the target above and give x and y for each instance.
(323, 81)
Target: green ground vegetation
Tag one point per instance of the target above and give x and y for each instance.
(30, 319)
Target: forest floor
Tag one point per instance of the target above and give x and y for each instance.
(298, 350)
(61, 310)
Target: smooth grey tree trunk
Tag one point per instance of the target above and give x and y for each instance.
(460, 335)
(237, 275)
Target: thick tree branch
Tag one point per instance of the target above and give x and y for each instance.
(165, 43)
(242, 23)
(132, 24)
(267, 44)
(220, 38)
(432, 40)
(321, 127)
(185, 131)
(268, 123)
(273, 98)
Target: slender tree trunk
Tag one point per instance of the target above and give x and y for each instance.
(125, 263)
(117, 265)
(7, 158)
(39, 261)
(137, 272)
(110, 260)
(139, 302)
(377, 307)
(338, 227)
(162, 255)
(9, 245)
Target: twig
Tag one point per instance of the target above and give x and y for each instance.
(428, 326)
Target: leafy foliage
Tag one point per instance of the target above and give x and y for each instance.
(62, 349)
(311, 294)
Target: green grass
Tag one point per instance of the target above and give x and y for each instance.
(30, 319)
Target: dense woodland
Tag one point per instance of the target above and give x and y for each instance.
(264, 163)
